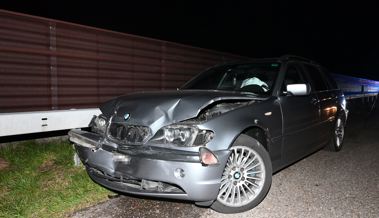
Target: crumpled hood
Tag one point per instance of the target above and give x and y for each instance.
(158, 109)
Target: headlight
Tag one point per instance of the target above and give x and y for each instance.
(98, 124)
(101, 122)
(182, 135)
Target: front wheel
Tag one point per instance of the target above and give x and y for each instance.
(247, 177)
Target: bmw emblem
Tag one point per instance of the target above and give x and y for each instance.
(126, 116)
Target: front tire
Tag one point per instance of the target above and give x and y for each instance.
(247, 177)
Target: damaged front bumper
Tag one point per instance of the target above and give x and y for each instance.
(147, 170)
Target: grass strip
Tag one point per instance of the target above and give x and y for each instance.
(40, 180)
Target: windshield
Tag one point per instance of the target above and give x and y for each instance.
(257, 78)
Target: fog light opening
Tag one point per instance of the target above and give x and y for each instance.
(207, 157)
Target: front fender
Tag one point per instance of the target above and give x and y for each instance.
(228, 126)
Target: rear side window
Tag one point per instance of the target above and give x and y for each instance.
(331, 82)
(316, 77)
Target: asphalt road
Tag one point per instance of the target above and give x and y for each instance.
(325, 184)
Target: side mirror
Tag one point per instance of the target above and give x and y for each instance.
(299, 89)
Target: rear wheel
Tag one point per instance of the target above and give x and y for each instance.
(338, 135)
(247, 177)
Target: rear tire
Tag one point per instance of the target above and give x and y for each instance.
(338, 136)
(247, 177)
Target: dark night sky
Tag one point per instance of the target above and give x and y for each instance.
(341, 36)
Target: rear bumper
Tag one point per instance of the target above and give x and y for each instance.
(149, 171)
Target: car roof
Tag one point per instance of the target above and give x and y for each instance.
(282, 59)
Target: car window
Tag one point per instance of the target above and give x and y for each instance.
(316, 77)
(256, 78)
(292, 76)
(331, 82)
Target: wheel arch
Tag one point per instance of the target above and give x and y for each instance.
(258, 133)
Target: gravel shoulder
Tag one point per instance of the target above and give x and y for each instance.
(325, 184)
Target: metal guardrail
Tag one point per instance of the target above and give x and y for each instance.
(354, 87)
(19, 123)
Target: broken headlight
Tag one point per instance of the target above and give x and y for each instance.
(182, 135)
(98, 124)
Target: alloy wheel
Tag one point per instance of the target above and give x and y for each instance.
(243, 177)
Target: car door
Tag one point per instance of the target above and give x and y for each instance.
(328, 101)
(300, 117)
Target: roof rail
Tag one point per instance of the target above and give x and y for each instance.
(294, 57)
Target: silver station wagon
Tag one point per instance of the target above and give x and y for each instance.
(218, 139)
